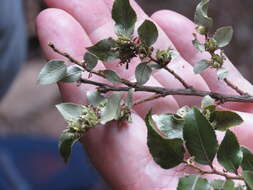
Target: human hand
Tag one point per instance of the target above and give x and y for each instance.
(120, 153)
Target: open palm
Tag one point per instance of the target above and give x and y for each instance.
(120, 153)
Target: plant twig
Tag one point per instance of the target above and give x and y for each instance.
(177, 77)
(154, 97)
(171, 72)
(69, 57)
(165, 92)
(213, 171)
(161, 92)
(230, 84)
(73, 60)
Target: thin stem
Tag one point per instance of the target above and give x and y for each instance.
(213, 171)
(230, 84)
(165, 92)
(171, 72)
(154, 97)
(69, 57)
(177, 77)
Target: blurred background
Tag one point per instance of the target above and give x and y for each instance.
(29, 122)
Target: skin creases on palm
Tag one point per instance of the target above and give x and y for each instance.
(120, 152)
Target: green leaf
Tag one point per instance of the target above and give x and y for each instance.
(66, 141)
(124, 17)
(112, 109)
(169, 127)
(148, 33)
(223, 36)
(247, 161)
(201, 18)
(218, 184)
(248, 177)
(199, 137)
(229, 154)
(199, 46)
(240, 187)
(95, 98)
(73, 74)
(222, 73)
(111, 76)
(129, 100)
(200, 66)
(52, 72)
(207, 101)
(229, 185)
(143, 73)
(192, 182)
(167, 153)
(223, 185)
(103, 50)
(90, 60)
(222, 120)
(70, 111)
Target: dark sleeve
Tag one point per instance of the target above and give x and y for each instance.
(12, 42)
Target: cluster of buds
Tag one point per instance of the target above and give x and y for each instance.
(126, 48)
(88, 119)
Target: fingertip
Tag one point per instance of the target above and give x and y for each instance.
(179, 29)
(57, 26)
(60, 28)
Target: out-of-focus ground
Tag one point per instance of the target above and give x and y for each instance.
(29, 108)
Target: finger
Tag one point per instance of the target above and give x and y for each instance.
(56, 26)
(179, 29)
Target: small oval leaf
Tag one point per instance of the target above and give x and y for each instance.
(52, 72)
(90, 60)
(165, 152)
(94, 97)
(70, 111)
(223, 36)
(143, 73)
(199, 46)
(247, 161)
(171, 128)
(148, 33)
(218, 184)
(200, 66)
(112, 109)
(73, 74)
(103, 50)
(201, 18)
(66, 141)
(248, 178)
(229, 154)
(199, 136)
(111, 76)
(124, 16)
(222, 120)
(192, 182)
